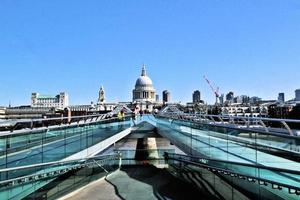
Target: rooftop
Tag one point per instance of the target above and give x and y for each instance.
(46, 97)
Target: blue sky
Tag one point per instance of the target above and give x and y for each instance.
(251, 47)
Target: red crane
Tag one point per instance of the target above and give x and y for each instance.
(215, 91)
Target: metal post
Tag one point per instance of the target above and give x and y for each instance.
(287, 127)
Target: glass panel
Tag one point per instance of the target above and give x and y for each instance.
(57, 142)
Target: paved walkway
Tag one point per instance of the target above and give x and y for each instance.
(138, 182)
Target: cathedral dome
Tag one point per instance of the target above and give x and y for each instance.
(144, 90)
(143, 80)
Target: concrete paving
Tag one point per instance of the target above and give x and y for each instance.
(95, 191)
(138, 182)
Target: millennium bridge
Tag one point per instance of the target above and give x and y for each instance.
(168, 155)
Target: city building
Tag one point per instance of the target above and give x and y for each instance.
(144, 90)
(297, 95)
(101, 96)
(166, 96)
(196, 96)
(237, 100)
(245, 99)
(2, 112)
(255, 100)
(157, 98)
(29, 112)
(49, 101)
(199, 108)
(78, 110)
(89, 109)
(197, 105)
(281, 97)
(144, 94)
(245, 111)
(221, 99)
(279, 110)
(230, 97)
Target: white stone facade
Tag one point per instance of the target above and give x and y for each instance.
(48, 101)
(144, 90)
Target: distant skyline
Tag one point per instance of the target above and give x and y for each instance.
(248, 47)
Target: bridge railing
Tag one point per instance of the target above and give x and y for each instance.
(44, 144)
(283, 181)
(14, 125)
(15, 175)
(289, 126)
(15, 182)
(218, 140)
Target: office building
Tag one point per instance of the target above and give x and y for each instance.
(166, 96)
(50, 101)
(196, 96)
(281, 97)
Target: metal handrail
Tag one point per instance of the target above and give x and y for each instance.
(241, 175)
(81, 162)
(260, 129)
(57, 162)
(57, 118)
(259, 166)
(84, 117)
(231, 119)
(24, 131)
(238, 117)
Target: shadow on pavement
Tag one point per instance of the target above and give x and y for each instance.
(164, 185)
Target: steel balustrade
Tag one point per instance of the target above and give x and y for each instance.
(235, 121)
(56, 168)
(205, 163)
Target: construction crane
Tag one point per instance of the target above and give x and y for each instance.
(215, 91)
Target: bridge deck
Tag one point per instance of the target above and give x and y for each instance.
(190, 140)
(138, 182)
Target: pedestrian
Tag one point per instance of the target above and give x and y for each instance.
(119, 116)
(122, 115)
(141, 113)
(133, 116)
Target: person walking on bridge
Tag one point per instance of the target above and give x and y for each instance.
(121, 118)
(121, 115)
(134, 115)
